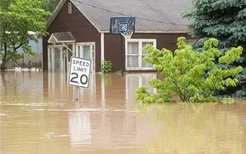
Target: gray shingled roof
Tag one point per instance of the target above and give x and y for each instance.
(61, 37)
(151, 15)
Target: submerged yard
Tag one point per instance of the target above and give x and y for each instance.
(38, 114)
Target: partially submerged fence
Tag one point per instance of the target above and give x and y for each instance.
(28, 61)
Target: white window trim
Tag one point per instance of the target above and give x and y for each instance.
(51, 56)
(140, 43)
(87, 43)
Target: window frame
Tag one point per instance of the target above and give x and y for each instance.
(93, 52)
(140, 53)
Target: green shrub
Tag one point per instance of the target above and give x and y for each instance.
(191, 75)
(106, 66)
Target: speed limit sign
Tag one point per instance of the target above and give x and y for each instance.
(79, 72)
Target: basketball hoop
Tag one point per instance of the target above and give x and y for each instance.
(127, 35)
(124, 26)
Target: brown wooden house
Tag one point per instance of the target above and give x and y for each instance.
(82, 27)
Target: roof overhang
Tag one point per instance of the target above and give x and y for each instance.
(55, 12)
(62, 37)
(154, 32)
(62, 2)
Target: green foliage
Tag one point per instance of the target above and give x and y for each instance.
(227, 101)
(19, 18)
(49, 5)
(224, 20)
(106, 66)
(191, 75)
(118, 72)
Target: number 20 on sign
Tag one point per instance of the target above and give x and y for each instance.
(80, 72)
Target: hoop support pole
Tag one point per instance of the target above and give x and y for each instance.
(121, 57)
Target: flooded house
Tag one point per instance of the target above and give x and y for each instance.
(81, 28)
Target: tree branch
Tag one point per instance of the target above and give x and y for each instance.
(17, 47)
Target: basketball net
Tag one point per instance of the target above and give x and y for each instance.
(127, 35)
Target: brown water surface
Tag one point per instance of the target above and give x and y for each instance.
(38, 115)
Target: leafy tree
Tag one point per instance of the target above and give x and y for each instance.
(191, 75)
(224, 20)
(49, 5)
(18, 18)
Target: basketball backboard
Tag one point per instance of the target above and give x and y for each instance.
(121, 25)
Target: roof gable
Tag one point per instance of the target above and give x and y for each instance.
(151, 15)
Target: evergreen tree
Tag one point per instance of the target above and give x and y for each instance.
(224, 20)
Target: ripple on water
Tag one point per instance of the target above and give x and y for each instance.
(2, 115)
(86, 110)
(32, 104)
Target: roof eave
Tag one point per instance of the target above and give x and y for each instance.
(87, 18)
(161, 31)
(57, 10)
(55, 13)
(66, 41)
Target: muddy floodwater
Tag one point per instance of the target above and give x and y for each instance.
(38, 115)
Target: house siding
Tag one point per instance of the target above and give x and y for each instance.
(81, 28)
(113, 46)
(112, 50)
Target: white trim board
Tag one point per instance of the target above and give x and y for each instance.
(102, 47)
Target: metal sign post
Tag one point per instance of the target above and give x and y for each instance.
(79, 75)
(76, 93)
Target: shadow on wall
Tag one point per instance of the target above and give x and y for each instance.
(28, 61)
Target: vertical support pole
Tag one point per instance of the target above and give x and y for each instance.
(102, 46)
(121, 48)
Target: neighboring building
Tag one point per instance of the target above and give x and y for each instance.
(29, 61)
(83, 26)
(36, 46)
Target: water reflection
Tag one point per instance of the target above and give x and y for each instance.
(37, 110)
(79, 128)
(20, 86)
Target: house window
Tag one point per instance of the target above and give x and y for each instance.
(86, 50)
(70, 8)
(135, 54)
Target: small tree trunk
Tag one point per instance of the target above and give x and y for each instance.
(4, 58)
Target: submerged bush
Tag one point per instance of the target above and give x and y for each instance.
(189, 74)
